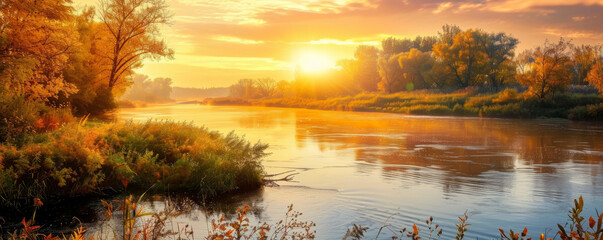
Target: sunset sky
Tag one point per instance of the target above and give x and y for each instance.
(218, 42)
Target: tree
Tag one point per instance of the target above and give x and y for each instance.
(144, 89)
(391, 74)
(133, 26)
(392, 46)
(85, 69)
(584, 58)
(366, 74)
(545, 69)
(466, 57)
(266, 86)
(500, 50)
(244, 88)
(595, 76)
(415, 66)
(36, 38)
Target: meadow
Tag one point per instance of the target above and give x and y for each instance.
(508, 103)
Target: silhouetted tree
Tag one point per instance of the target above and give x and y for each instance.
(415, 66)
(391, 74)
(366, 74)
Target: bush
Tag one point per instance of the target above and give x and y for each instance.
(592, 112)
(77, 160)
(20, 118)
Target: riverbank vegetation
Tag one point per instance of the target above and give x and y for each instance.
(79, 160)
(509, 103)
(59, 67)
(137, 224)
(457, 72)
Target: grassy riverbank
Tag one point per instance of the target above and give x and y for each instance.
(508, 104)
(80, 159)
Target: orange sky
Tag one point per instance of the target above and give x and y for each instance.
(218, 42)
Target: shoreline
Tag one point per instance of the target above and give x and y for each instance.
(581, 107)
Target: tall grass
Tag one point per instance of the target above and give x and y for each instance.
(80, 160)
(508, 103)
(139, 225)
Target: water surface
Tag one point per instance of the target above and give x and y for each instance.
(364, 168)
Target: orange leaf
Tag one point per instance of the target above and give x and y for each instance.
(415, 230)
(591, 222)
(525, 232)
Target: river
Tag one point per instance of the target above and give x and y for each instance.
(366, 168)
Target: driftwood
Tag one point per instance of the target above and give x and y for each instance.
(269, 179)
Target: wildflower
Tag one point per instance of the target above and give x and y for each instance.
(37, 202)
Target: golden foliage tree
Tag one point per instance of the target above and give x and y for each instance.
(366, 69)
(133, 26)
(416, 65)
(595, 76)
(466, 57)
(36, 38)
(391, 74)
(545, 69)
(584, 59)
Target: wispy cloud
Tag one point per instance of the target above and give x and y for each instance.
(442, 7)
(534, 5)
(338, 42)
(238, 63)
(231, 39)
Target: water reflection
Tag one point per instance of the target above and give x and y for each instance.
(364, 167)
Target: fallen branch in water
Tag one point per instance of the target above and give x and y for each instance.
(272, 182)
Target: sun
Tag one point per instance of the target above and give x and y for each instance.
(314, 62)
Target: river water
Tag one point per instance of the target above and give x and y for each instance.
(366, 168)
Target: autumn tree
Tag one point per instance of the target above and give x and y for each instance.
(500, 51)
(595, 75)
(584, 58)
(466, 57)
(86, 70)
(133, 26)
(366, 69)
(391, 74)
(36, 38)
(545, 69)
(392, 46)
(415, 65)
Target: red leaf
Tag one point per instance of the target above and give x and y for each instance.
(525, 232)
(591, 222)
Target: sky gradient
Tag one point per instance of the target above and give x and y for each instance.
(217, 42)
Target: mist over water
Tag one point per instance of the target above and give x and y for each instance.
(364, 168)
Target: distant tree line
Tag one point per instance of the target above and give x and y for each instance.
(454, 59)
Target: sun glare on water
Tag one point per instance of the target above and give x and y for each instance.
(314, 62)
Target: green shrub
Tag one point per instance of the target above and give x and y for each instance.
(81, 160)
(592, 112)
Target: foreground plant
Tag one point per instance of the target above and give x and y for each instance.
(289, 228)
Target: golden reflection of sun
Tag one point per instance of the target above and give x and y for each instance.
(314, 62)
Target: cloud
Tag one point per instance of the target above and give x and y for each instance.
(578, 18)
(442, 7)
(239, 63)
(535, 5)
(339, 42)
(231, 39)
